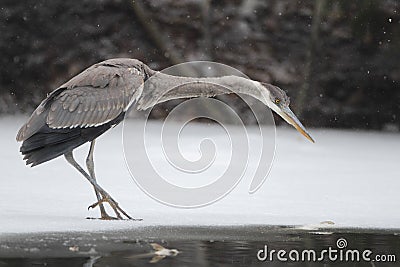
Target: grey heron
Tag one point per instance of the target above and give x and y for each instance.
(97, 99)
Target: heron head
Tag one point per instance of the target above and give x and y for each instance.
(278, 101)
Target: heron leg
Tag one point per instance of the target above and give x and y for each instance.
(90, 167)
(105, 196)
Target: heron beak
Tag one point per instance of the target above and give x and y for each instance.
(290, 118)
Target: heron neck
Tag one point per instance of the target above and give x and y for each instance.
(163, 87)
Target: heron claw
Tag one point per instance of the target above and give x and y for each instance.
(94, 205)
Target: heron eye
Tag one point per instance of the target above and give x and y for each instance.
(277, 101)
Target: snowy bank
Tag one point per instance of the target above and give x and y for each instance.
(350, 178)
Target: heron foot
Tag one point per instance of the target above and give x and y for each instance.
(114, 205)
(105, 217)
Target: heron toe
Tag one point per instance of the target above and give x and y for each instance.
(114, 205)
(104, 217)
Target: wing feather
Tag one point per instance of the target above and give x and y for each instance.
(120, 79)
(74, 103)
(101, 97)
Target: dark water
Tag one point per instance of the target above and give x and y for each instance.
(217, 246)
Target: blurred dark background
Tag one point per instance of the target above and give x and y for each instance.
(338, 60)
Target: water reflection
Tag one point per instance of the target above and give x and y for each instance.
(214, 252)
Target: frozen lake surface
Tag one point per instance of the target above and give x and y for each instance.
(350, 178)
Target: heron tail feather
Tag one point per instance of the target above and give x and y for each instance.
(42, 147)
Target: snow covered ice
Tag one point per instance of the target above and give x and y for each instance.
(350, 178)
